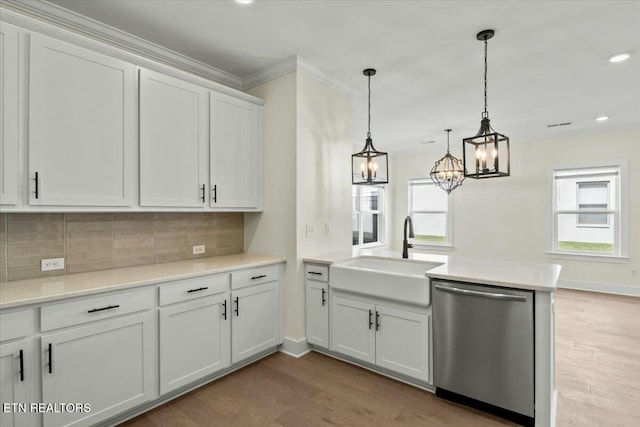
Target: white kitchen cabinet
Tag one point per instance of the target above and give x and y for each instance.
(317, 305)
(174, 132)
(392, 338)
(9, 38)
(82, 133)
(235, 153)
(256, 320)
(109, 364)
(195, 340)
(17, 383)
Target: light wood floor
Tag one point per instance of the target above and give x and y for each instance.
(597, 377)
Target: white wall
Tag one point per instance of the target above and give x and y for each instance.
(307, 145)
(507, 217)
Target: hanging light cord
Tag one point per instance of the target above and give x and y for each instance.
(369, 125)
(486, 113)
(448, 130)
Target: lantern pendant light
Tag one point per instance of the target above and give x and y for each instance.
(486, 155)
(369, 166)
(448, 172)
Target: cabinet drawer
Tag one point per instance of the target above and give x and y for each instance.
(197, 287)
(255, 276)
(57, 316)
(319, 273)
(16, 324)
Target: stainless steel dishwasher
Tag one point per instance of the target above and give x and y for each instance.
(484, 347)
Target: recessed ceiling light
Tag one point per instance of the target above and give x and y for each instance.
(619, 57)
(244, 1)
(602, 118)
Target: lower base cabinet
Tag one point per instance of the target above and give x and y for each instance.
(109, 365)
(17, 383)
(392, 338)
(195, 341)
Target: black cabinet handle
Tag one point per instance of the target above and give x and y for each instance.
(50, 358)
(202, 193)
(224, 306)
(93, 310)
(197, 290)
(215, 193)
(370, 319)
(377, 321)
(324, 292)
(315, 273)
(36, 185)
(262, 276)
(237, 310)
(21, 365)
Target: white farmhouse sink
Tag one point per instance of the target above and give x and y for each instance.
(390, 278)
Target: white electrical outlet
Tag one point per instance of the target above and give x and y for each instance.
(311, 230)
(52, 264)
(198, 249)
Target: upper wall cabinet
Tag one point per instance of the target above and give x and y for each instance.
(236, 153)
(82, 141)
(8, 114)
(174, 131)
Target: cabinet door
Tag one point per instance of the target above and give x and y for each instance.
(8, 114)
(109, 365)
(194, 340)
(352, 328)
(82, 142)
(318, 314)
(402, 342)
(256, 320)
(235, 153)
(173, 141)
(15, 383)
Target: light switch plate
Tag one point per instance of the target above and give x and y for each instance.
(51, 264)
(198, 249)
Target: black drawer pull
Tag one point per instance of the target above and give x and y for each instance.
(50, 358)
(237, 310)
(377, 321)
(315, 273)
(370, 319)
(324, 293)
(262, 276)
(21, 366)
(203, 190)
(196, 290)
(109, 307)
(224, 313)
(215, 193)
(36, 185)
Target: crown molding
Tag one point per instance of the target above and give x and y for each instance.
(26, 11)
(294, 63)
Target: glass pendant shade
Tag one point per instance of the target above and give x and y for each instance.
(486, 155)
(369, 166)
(448, 172)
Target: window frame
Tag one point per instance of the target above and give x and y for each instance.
(619, 212)
(381, 217)
(448, 243)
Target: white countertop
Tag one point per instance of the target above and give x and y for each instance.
(32, 291)
(512, 274)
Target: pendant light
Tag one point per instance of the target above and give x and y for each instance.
(448, 172)
(486, 155)
(369, 166)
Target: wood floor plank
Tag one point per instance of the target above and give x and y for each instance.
(597, 378)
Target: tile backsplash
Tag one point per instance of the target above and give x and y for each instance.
(99, 241)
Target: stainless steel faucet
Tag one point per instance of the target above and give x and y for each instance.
(405, 243)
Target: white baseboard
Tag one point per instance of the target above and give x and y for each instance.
(295, 348)
(607, 288)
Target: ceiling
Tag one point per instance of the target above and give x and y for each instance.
(548, 62)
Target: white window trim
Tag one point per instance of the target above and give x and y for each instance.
(381, 212)
(448, 244)
(622, 233)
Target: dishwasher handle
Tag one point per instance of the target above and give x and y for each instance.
(490, 295)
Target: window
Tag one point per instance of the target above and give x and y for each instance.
(430, 212)
(587, 213)
(367, 215)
